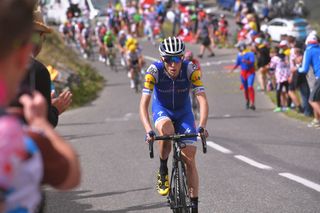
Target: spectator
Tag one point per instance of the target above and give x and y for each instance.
(56, 105)
(298, 80)
(263, 57)
(265, 11)
(282, 72)
(204, 34)
(311, 58)
(246, 60)
(30, 157)
(301, 82)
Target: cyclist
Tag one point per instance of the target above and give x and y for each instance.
(86, 40)
(109, 41)
(135, 62)
(122, 39)
(101, 30)
(171, 78)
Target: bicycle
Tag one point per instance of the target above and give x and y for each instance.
(111, 57)
(178, 198)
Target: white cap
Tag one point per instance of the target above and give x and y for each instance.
(283, 43)
(312, 39)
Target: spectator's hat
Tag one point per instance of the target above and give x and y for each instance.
(283, 43)
(38, 23)
(312, 38)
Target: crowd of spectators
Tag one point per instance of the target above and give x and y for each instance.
(283, 66)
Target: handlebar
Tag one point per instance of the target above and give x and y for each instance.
(177, 137)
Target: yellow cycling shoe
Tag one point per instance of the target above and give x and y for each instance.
(163, 184)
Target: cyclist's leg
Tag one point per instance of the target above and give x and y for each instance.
(164, 126)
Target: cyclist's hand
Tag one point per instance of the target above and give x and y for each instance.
(149, 138)
(202, 131)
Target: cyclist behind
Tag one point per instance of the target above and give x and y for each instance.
(135, 62)
(109, 41)
(100, 31)
(87, 35)
(171, 79)
(67, 31)
(122, 39)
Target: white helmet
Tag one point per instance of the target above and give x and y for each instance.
(171, 46)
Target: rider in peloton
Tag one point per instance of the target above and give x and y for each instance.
(171, 79)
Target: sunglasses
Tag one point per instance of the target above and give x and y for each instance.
(172, 59)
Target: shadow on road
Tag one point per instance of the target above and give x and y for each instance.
(60, 202)
(81, 123)
(118, 84)
(72, 137)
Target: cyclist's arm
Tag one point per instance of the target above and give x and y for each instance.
(149, 82)
(204, 108)
(144, 114)
(198, 88)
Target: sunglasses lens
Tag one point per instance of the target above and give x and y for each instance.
(171, 59)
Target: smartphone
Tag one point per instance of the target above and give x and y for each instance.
(27, 86)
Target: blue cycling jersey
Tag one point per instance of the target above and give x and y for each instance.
(172, 93)
(311, 58)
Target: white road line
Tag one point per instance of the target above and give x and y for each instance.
(150, 58)
(206, 64)
(218, 147)
(301, 180)
(252, 162)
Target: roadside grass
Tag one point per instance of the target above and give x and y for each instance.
(291, 113)
(87, 82)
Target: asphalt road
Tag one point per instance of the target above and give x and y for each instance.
(257, 161)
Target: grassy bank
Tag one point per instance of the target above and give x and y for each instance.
(86, 82)
(291, 113)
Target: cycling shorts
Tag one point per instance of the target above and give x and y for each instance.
(183, 120)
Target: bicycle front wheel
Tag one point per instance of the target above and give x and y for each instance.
(181, 191)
